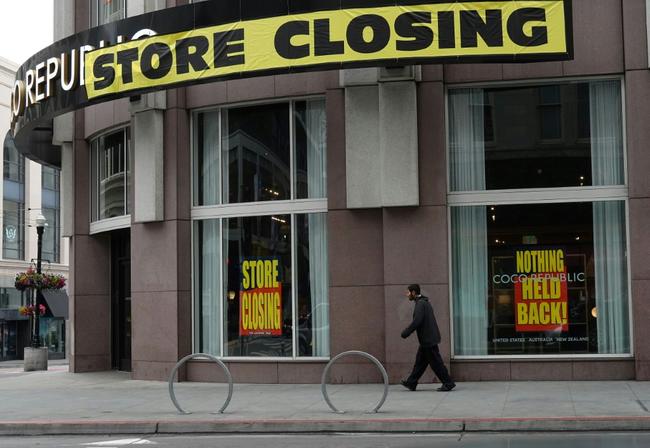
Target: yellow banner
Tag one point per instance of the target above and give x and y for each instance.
(387, 35)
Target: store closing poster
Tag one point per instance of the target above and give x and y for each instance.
(260, 298)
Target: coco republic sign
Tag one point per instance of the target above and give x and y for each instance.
(225, 39)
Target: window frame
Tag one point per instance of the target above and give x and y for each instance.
(56, 225)
(98, 225)
(222, 211)
(94, 13)
(538, 196)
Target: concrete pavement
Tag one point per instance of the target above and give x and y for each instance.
(58, 402)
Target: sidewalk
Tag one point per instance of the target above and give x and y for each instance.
(58, 402)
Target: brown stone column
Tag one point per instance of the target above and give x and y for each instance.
(161, 259)
(638, 162)
(355, 263)
(89, 285)
(415, 239)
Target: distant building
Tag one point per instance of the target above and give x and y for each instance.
(28, 188)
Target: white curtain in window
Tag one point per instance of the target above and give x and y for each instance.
(606, 121)
(316, 130)
(466, 140)
(318, 280)
(469, 225)
(470, 280)
(209, 175)
(210, 286)
(610, 271)
(610, 264)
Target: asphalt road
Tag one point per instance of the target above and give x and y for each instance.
(474, 440)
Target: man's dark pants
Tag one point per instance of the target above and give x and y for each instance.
(429, 356)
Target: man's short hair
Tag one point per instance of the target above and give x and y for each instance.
(414, 288)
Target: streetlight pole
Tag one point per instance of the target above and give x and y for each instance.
(41, 222)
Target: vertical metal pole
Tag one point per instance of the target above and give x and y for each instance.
(35, 337)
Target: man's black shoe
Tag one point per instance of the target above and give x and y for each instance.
(407, 385)
(446, 387)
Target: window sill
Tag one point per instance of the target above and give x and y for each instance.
(542, 358)
(246, 359)
(106, 225)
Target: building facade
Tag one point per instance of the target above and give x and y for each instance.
(28, 189)
(276, 221)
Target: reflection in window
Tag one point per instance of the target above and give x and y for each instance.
(13, 212)
(51, 209)
(256, 148)
(540, 279)
(52, 336)
(550, 112)
(258, 154)
(110, 163)
(562, 135)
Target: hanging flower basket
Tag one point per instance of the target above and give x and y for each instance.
(31, 279)
(29, 310)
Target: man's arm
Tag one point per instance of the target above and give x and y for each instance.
(418, 317)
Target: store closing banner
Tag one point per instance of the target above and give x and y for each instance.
(224, 39)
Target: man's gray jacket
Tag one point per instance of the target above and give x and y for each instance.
(424, 322)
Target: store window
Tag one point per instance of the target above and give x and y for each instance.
(13, 210)
(260, 231)
(539, 267)
(110, 175)
(106, 11)
(51, 209)
(538, 136)
(11, 298)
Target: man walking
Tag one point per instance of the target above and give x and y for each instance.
(424, 323)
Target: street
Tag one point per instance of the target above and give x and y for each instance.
(392, 440)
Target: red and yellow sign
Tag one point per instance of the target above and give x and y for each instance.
(541, 292)
(260, 298)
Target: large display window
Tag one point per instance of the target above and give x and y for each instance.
(539, 267)
(260, 236)
(540, 279)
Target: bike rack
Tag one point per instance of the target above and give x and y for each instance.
(323, 382)
(195, 356)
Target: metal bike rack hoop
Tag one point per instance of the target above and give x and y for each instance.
(323, 381)
(195, 356)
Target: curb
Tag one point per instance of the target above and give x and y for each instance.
(85, 427)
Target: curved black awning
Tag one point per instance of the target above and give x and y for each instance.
(36, 145)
